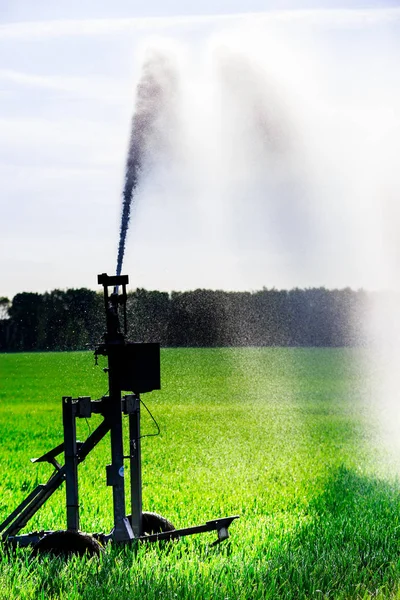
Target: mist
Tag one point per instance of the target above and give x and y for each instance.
(281, 173)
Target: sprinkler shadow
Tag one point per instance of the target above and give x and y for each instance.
(349, 547)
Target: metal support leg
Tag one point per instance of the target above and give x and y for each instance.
(115, 471)
(135, 468)
(71, 463)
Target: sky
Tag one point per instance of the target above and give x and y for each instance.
(278, 165)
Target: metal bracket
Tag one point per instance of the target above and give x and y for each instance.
(130, 404)
(123, 531)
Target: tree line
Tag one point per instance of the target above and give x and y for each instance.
(74, 319)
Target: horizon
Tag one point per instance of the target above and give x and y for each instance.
(227, 291)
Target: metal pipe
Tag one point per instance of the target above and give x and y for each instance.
(135, 469)
(71, 463)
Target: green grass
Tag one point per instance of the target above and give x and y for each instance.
(279, 436)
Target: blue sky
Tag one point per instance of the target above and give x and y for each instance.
(24, 10)
(223, 211)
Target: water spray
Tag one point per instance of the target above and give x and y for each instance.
(153, 91)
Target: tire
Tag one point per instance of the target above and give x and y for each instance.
(154, 523)
(66, 543)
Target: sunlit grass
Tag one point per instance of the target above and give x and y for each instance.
(278, 436)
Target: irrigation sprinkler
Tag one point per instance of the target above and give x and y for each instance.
(132, 367)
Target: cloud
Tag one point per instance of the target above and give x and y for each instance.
(110, 91)
(109, 27)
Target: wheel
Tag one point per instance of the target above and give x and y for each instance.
(66, 543)
(154, 523)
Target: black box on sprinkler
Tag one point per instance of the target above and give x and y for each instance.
(137, 366)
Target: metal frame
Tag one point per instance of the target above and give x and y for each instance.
(112, 408)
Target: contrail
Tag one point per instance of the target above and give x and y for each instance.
(152, 96)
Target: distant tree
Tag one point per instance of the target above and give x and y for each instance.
(74, 319)
(4, 307)
(179, 325)
(25, 312)
(148, 316)
(68, 320)
(206, 313)
(5, 324)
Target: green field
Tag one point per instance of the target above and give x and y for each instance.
(279, 436)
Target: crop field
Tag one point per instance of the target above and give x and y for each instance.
(278, 436)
